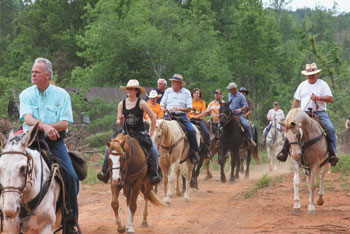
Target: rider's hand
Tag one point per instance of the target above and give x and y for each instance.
(121, 118)
(51, 132)
(238, 110)
(176, 109)
(313, 97)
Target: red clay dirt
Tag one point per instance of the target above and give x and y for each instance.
(222, 208)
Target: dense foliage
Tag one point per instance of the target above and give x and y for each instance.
(101, 43)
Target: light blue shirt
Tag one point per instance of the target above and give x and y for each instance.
(171, 99)
(238, 101)
(53, 106)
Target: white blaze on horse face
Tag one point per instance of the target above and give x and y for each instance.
(115, 167)
(12, 175)
(292, 136)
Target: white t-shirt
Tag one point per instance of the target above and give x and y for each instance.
(279, 114)
(305, 90)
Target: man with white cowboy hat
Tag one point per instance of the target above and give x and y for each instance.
(154, 105)
(306, 95)
(238, 105)
(130, 116)
(178, 100)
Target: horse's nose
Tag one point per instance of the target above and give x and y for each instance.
(11, 213)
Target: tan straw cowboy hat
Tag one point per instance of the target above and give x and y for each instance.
(134, 84)
(231, 85)
(154, 94)
(178, 77)
(311, 69)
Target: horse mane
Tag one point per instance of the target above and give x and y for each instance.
(290, 118)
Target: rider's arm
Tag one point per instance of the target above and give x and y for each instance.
(296, 103)
(152, 116)
(321, 98)
(347, 123)
(50, 129)
(120, 116)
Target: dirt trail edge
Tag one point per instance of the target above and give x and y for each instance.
(222, 208)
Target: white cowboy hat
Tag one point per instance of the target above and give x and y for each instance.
(231, 85)
(134, 84)
(178, 77)
(310, 69)
(154, 94)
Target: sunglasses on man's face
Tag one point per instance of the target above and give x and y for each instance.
(217, 93)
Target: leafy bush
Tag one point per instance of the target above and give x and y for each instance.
(98, 139)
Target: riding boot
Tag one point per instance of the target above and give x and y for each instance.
(153, 171)
(105, 174)
(263, 142)
(333, 159)
(283, 155)
(194, 158)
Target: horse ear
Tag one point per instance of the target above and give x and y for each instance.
(108, 144)
(293, 124)
(3, 140)
(229, 103)
(30, 135)
(282, 124)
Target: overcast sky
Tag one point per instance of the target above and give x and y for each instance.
(343, 5)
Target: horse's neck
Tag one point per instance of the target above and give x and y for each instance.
(311, 128)
(39, 175)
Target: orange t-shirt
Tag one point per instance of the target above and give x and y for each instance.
(198, 106)
(156, 110)
(214, 108)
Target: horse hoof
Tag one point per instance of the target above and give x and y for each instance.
(208, 177)
(130, 233)
(246, 177)
(186, 199)
(297, 211)
(311, 211)
(144, 224)
(320, 201)
(122, 230)
(231, 182)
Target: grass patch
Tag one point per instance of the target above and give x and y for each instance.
(91, 177)
(343, 164)
(263, 182)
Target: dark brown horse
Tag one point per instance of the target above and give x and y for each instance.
(129, 172)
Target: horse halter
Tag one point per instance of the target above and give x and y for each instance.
(29, 171)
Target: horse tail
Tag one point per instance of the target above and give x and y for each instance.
(154, 199)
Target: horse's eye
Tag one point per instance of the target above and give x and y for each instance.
(23, 170)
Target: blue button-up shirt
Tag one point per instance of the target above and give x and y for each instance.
(238, 101)
(171, 99)
(53, 106)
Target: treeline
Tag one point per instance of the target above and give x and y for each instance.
(101, 43)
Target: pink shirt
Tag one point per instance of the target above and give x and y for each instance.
(279, 114)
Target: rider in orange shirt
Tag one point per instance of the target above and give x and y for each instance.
(198, 107)
(154, 105)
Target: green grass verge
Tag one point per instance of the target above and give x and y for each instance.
(343, 164)
(263, 182)
(91, 177)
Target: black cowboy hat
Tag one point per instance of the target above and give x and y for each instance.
(243, 89)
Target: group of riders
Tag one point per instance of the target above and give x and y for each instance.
(51, 107)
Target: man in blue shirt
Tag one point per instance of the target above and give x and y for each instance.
(238, 106)
(161, 87)
(51, 106)
(177, 99)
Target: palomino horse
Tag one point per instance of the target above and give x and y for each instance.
(23, 175)
(174, 148)
(232, 139)
(129, 172)
(274, 141)
(309, 150)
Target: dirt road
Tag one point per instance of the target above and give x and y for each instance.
(222, 208)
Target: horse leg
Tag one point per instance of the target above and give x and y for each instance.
(296, 181)
(241, 158)
(311, 180)
(172, 176)
(188, 179)
(222, 161)
(209, 175)
(115, 207)
(269, 155)
(146, 191)
(165, 184)
(237, 163)
(248, 160)
(323, 174)
(180, 177)
(132, 206)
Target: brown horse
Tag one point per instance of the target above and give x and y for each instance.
(129, 172)
(308, 148)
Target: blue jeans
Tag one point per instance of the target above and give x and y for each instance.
(153, 151)
(206, 132)
(246, 125)
(70, 177)
(266, 130)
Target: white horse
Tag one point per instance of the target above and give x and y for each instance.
(274, 141)
(308, 148)
(174, 148)
(22, 174)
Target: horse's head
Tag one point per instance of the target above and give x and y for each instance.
(225, 112)
(158, 132)
(117, 159)
(294, 132)
(16, 166)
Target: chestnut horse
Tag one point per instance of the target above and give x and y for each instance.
(308, 149)
(129, 172)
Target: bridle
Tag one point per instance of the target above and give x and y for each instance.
(19, 190)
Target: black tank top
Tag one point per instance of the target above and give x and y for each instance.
(134, 118)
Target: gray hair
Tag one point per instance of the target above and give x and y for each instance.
(163, 81)
(47, 64)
